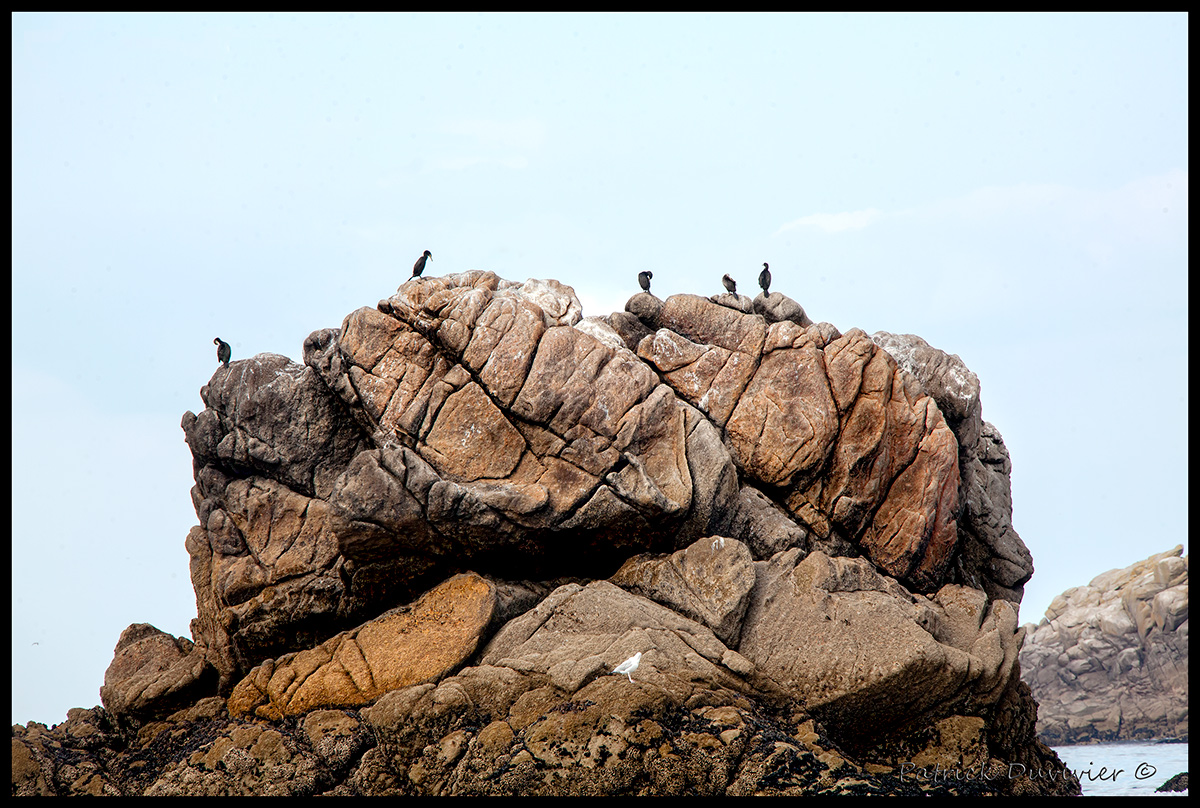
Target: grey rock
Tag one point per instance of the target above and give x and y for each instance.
(768, 527)
(709, 581)
(847, 612)
(270, 416)
(596, 627)
(734, 301)
(778, 307)
(1109, 660)
(944, 376)
(629, 327)
(644, 307)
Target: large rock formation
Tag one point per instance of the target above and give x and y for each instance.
(422, 553)
(1109, 661)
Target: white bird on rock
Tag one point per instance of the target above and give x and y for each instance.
(718, 543)
(629, 666)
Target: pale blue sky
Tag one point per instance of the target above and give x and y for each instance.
(1012, 188)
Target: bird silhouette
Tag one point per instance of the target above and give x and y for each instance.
(419, 267)
(629, 666)
(730, 284)
(764, 279)
(644, 280)
(223, 351)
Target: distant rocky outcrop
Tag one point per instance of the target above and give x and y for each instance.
(1109, 662)
(422, 553)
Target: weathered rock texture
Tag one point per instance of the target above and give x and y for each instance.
(1109, 662)
(402, 647)
(849, 444)
(991, 555)
(422, 553)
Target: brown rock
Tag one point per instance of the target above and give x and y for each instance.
(527, 426)
(777, 307)
(855, 447)
(913, 534)
(471, 439)
(266, 570)
(630, 329)
(785, 423)
(473, 422)
(643, 306)
(152, 674)
(402, 647)
(28, 777)
(1177, 783)
(868, 662)
(580, 633)
(709, 581)
(993, 556)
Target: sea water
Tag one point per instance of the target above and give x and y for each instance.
(1112, 769)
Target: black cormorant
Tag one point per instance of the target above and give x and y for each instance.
(223, 352)
(764, 279)
(419, 267)
(644, 280)
(730, 284)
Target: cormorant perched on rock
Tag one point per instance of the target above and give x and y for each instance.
(764, 279)
(730, 284)
(644, 280)
(419, 267)
(223, 352)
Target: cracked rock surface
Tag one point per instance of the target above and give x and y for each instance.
(422, 553)
(1109, 661)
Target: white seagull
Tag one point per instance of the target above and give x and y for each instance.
(719, 541)
(629, 666)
